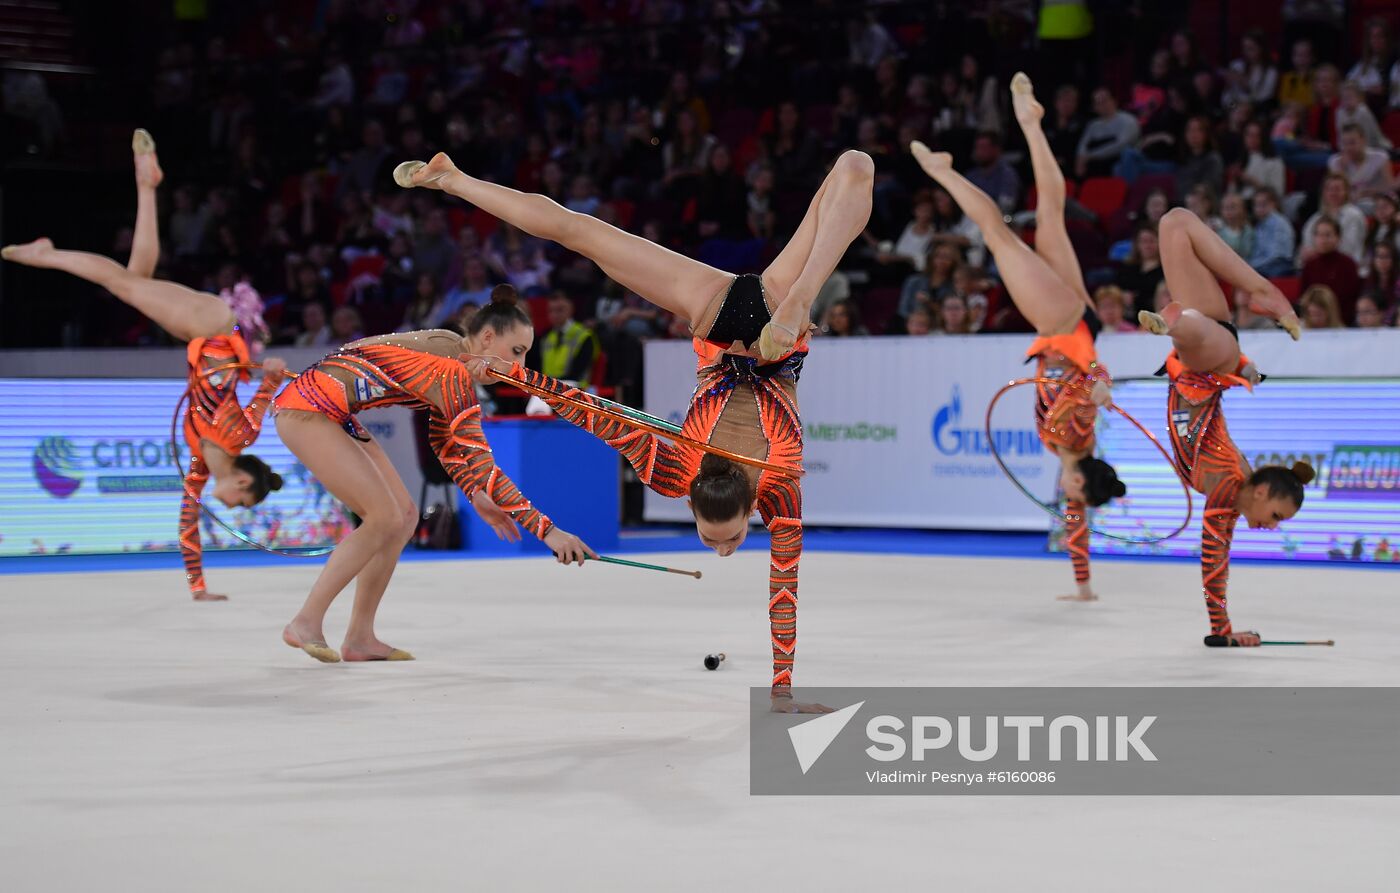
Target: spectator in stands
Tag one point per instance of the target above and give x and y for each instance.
(1371, 73)
(992, 174)
(1273, 236)
(1253, 77)
(569, 349)
(843, 320)
(1064, 127)
(680, 97)
(954, 317)
(1367, 171)
(1105, 137)
(933, 282)
(1354, 112)
(1370, 313)
(361, 175)
(346, 325)
(1141, 273)
(1385, 222)
(912, 247)
(721, 208)
(433, 248)
(685, 157)
(314, 330)
(1321, 122)
(1382, 280)
(425, 308)
(762, 218)
(189, 223)
(1318, 309)
(1234, 227)
(970, 284)
(920, 322)
(1328, 266)
(1262, 168)
(1110, 303)
(583, 196)
(474, 288)
(1199, 163)
(628, 315)
(1295, 86)
(1201, 202)
(952, 227)
(792, 150)
(1335, 202)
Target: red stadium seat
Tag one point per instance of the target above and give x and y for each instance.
(1291, 286)
(597, 375)
(539, 312)
(367, 265)
(625, 212)
(1103, 195)
(877, 307)
(1390, 126)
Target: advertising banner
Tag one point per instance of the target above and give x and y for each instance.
(87, 466)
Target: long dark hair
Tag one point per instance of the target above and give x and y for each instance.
(1284, 483)
(265, 480)
(502, 314)
(1100, 481)
(721, 491)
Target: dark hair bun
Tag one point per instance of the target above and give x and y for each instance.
(505, 293)
(1303, 472)
(274, 481)
(1100, 481)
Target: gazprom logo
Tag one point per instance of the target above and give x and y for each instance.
(951, 439)
(56, 467)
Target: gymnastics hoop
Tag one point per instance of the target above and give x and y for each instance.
(651, 424)
(313, 552)
(991, 443)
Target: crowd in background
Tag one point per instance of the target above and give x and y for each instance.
(712, 139)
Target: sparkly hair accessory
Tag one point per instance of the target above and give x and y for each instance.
(247, 306)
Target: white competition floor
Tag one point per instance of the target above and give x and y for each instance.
(558, 732)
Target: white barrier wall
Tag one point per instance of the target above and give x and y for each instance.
(895, 425)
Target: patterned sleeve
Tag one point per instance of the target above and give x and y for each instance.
(780, 506)
(262, 398)
(1077, 538)
(660, 465)
(1217, 531)
(461, 447)
(190, 548)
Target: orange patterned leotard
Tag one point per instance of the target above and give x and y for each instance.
(1065, 416)
(747, 408)
(214, 415)
(1208, 459)
(419, 370)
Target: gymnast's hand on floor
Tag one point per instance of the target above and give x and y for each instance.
(1247, 639)
(785, 704)
(1085, 594)
(495, 517)
(568, 549)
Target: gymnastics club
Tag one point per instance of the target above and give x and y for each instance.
(1227, 642)
(651, 567)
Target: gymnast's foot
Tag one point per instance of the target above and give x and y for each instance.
(1272, 303)
(30, 254)
(781, 334)
(1152, 322)
(143, 148)
(424, 174)
(371, 648)
(934, 163)
(1023, 102)
(302, 634)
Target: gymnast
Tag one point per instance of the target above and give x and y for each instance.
(751, 337)
(1047, 286)
(424, 370)
(1205, 361)
(217, 429)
